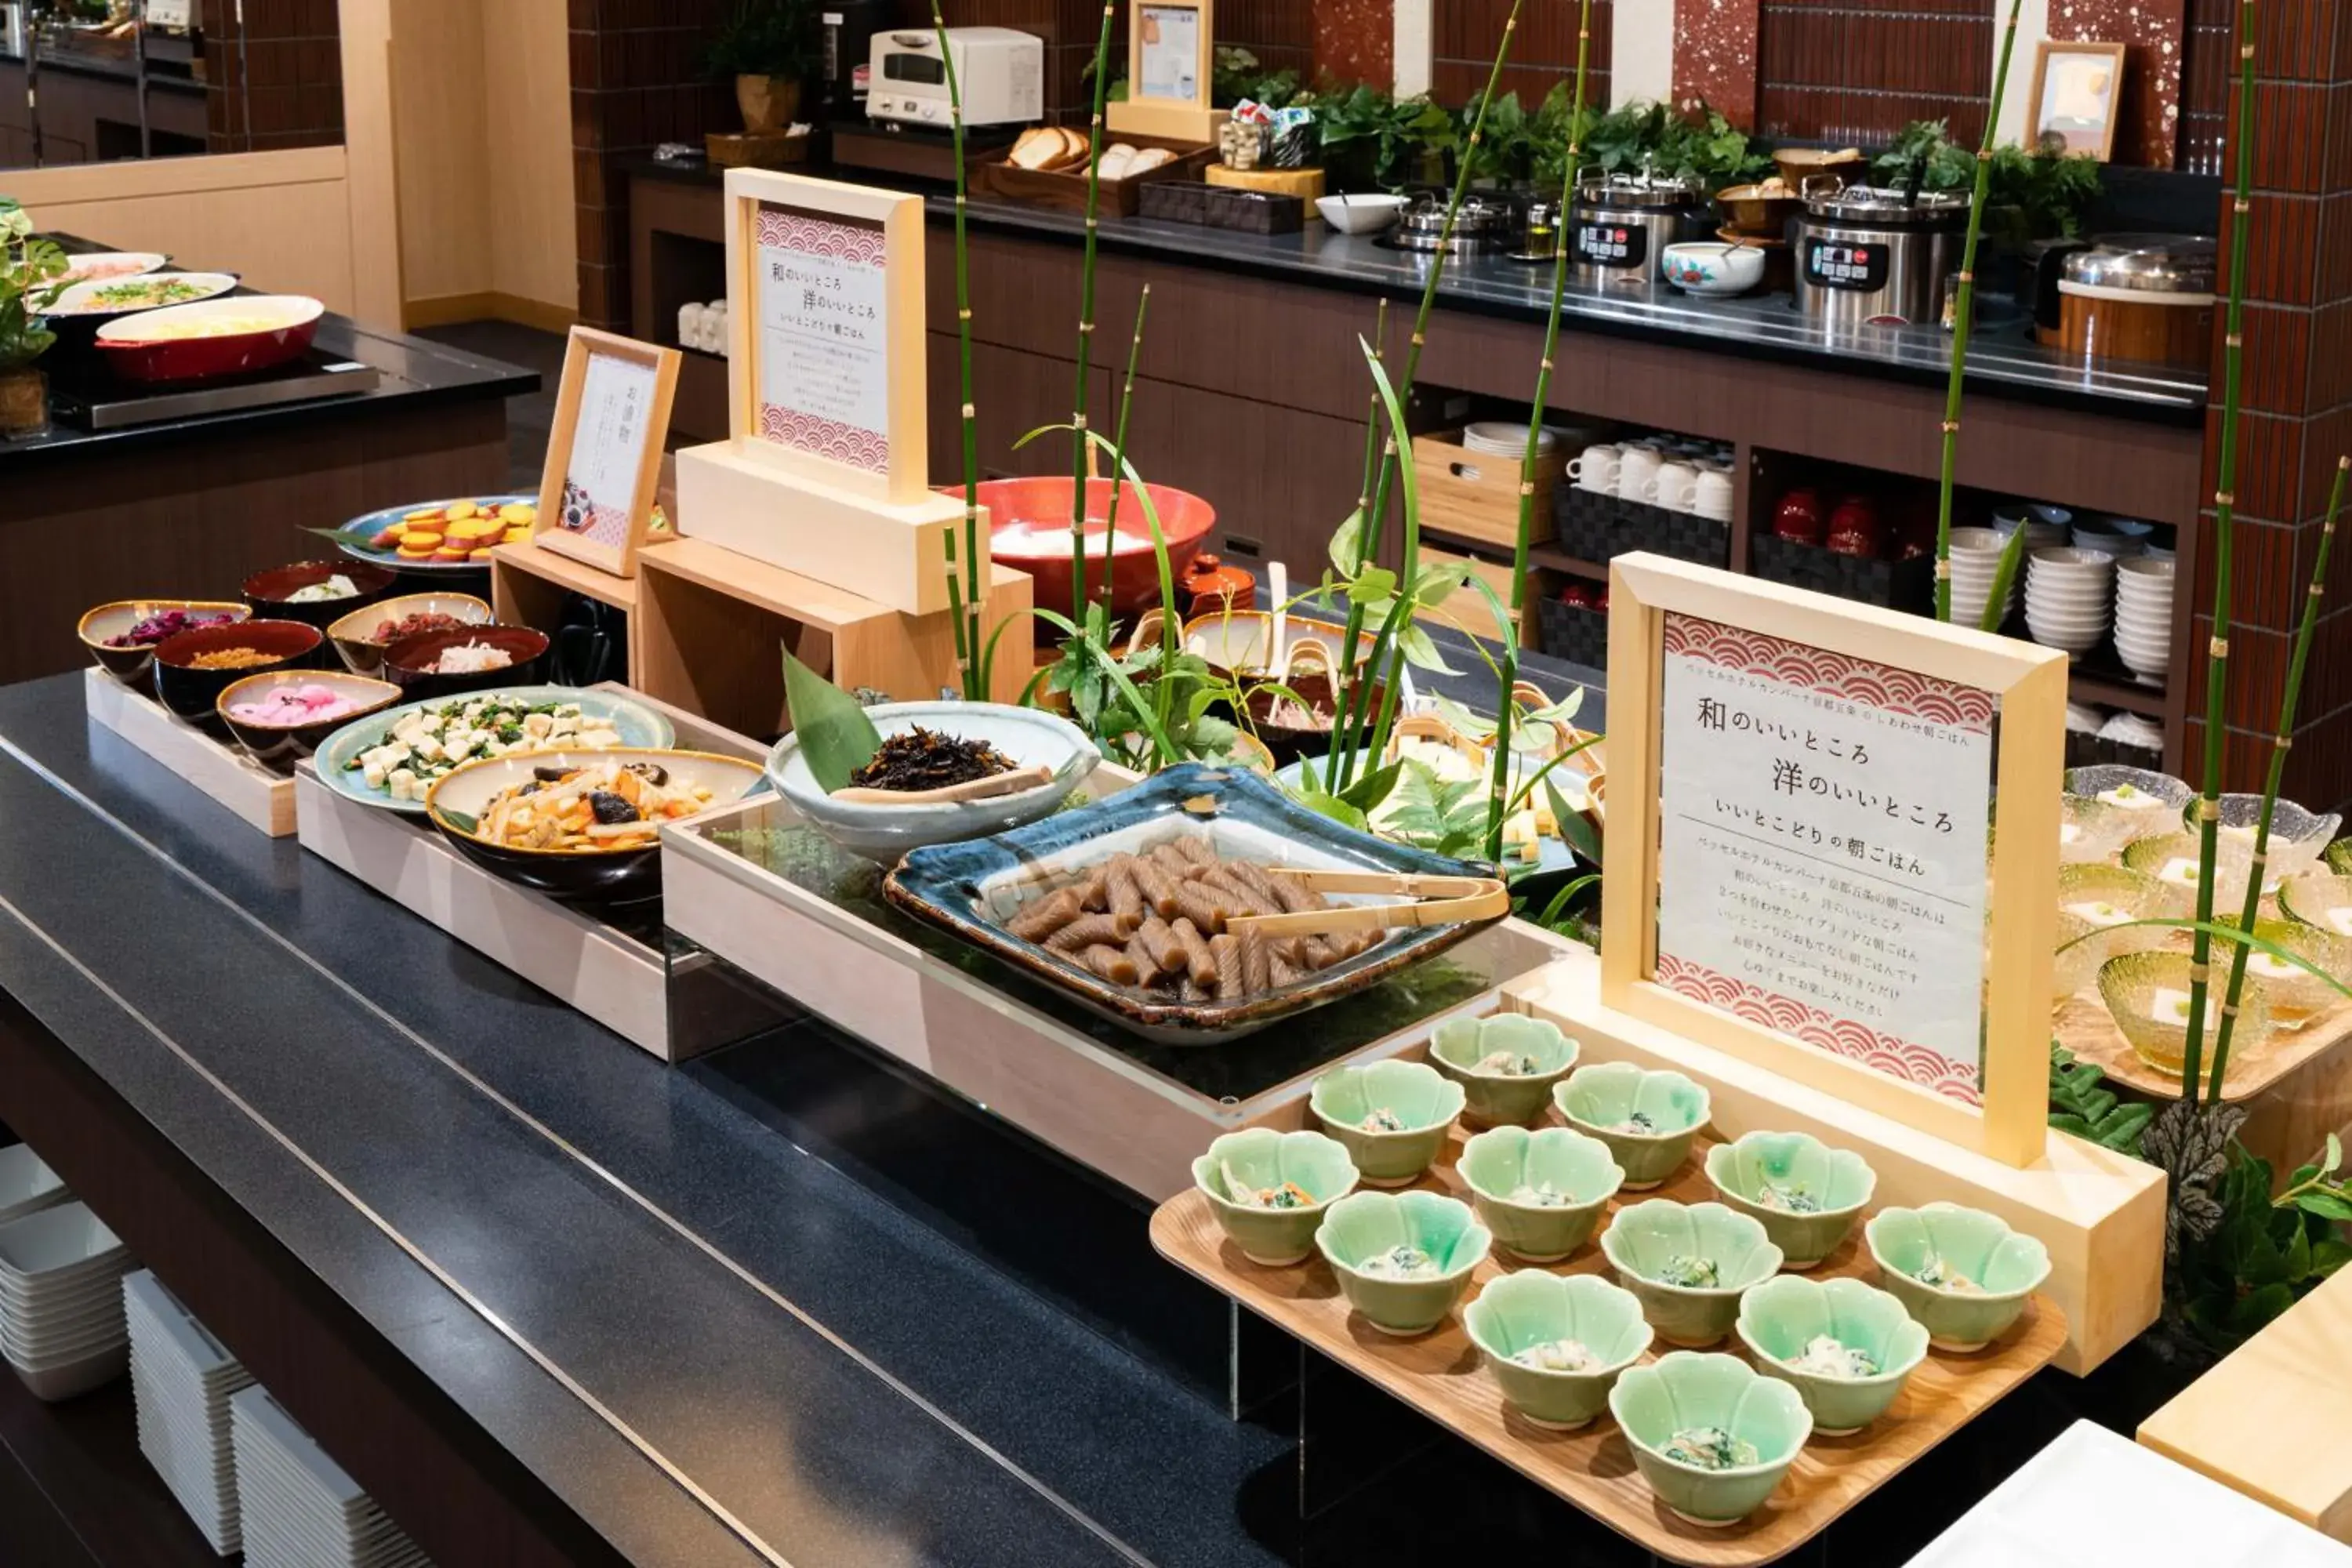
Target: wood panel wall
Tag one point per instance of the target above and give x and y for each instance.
(1543, 55)
(1857, 71)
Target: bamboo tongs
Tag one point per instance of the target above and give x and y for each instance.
(1440, 900)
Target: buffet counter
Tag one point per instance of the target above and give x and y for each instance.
(551, 1301)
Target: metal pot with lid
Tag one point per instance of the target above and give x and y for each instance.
(1622, 223)
(1877, 254)
(1484, 223)
(2146, 296)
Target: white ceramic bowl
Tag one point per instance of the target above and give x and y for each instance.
(1029, 737)
(1365, 213)
(1710, 266)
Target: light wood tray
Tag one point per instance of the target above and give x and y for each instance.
(261, 799)
(2086, 1028)
(1442, 1375)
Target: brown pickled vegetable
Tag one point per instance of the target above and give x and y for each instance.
(923, 759)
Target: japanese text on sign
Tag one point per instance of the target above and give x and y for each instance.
(824, 349)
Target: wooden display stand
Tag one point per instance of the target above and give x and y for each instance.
(1307, 185)
(1477, 496)
(1168, 82)
(258, 797)
(2269, 1421)
(1443, 1374)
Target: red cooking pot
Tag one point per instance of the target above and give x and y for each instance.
(235, 335)
(1029, 527)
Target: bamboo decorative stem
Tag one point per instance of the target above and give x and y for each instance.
(964, 600)
(1498, 792)
(1171, 632)
(1346, 742)
(1964, 318)
(2225, 517)
(1078, 445)
(2305, 634)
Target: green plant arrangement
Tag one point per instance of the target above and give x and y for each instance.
(2036, 194)
(1505, 153)
(1700, 143)
(774, 39)
(29, 266)
(1373, 141)
(967, 576)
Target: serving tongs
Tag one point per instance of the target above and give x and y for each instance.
(1438, 900)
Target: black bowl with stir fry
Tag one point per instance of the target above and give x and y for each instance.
(581, 824)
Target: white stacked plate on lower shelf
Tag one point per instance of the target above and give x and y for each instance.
(26, 1185)
(61, 1327)
(298, 1506)
(181, 1380)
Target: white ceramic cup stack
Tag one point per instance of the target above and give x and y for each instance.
(61, 1325)
(1975, 562)
(2068, 598)
(299, 1507)
(181, 1380)
(1595, 468)
(2144, 618)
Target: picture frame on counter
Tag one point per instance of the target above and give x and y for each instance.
(2077, 95)
(827, 379)
(598, 489)
(1171, 64)
(1799, 860)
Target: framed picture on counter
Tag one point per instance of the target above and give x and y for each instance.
(1800, 858)
(1171, 61)
(605, 454)
(2077, 95)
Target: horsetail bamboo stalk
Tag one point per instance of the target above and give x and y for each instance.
(1078, 448)
(1170, 637)
(964, 599)
(2303, 635)
(1344, 743)
(2225, 521)
(1964, 311)
(1365, 532)
(1497, 804)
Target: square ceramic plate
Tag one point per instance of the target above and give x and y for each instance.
(972, 888)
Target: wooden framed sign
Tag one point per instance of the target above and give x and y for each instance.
(1171, 59)
(604, 455)
(825, 286)
(2077, 97)
(1800, 862)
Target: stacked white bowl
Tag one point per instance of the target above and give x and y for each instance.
(2144, 618)
(299, 1508)
(2067, 598)
(61, 1301)
(2116, 536)
(181, 1380)
(2046, 526)
(1975, 562)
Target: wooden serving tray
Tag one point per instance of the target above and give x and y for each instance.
(261, 799)
(1443, 1374)
(1067, 188)
(2086, 1028)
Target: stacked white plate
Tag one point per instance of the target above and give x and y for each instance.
(2116, 536)
(26, 1185)
(180, 1379)
(61, 1301)
(2144, 618)
(1501, 439)
(2068, 593)
(299, 1507)
(1975, 562)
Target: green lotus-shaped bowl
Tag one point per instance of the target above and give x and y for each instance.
(1539, 1055)
(1806, 1194)
(1782, 1318)
(1540, 1193)
(1261, 1159)
(1978, 1271)
(1363, 1228)
(1656, 1246)
(1683, 1393)
(1421, 1099)
(1520, 1311)
(1647, 1119)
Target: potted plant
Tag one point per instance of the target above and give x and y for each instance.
(768, 46)
(29, 268)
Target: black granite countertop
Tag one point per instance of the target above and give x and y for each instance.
(2003, 357)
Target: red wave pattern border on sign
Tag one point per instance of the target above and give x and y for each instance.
(786, 230)
(1895, 1058)
(846, 443)
(1864, 682)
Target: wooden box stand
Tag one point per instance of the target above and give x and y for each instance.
(1477, 496)
(259, 798)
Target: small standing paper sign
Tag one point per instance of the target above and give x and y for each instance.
(1171, 61)
(603, 456)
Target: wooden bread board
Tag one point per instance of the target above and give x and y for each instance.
(1442, 1375)
(1307, 185)
(1067, 188)
(1477, 496)
(261, 799)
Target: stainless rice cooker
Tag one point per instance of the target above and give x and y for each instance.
(1877, 254)
(1622, 223)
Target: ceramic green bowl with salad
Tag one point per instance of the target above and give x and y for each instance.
(1557, 1343)
(1542, 1193)
(1404, 1259)
(1647, 1118)
(1505, 1064)
(1392, 1115)
(1806, 1194)
(1688, 1263)
(1711, 1435)
(1846, 1347)
(1270, 1190)
(1963, 1273)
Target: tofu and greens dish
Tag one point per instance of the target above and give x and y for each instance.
(423, 745)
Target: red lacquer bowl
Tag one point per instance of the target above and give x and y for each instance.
(1029, 525)
(164, 345)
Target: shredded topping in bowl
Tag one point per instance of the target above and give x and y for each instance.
(1709, 1449)
(1541, 1195)
(1786, 1197)
(1383, 1120)
(335, 587)
(1402, 1262)
(164, 624)
(1825, 1355)
(1508, 1064)
(1638, 1123)
(1557, 1355)
(1943, 1277)
(1289, 1195)
(1692, 1273)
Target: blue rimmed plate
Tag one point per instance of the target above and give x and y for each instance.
(351, 539)
(639, 727)
(972, 888)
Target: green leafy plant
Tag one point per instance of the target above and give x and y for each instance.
(29, 270)
(1372, 141)
(2081, 1104)
(1700, 143)
(1505, 151)
(2237, 1257)
(1237, 74)
(764, 37)
(836, 736)
(2036, 194)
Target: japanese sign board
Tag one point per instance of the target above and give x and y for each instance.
(826, 310)
(1171, 61)
(1809, 874)
(605, 452)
